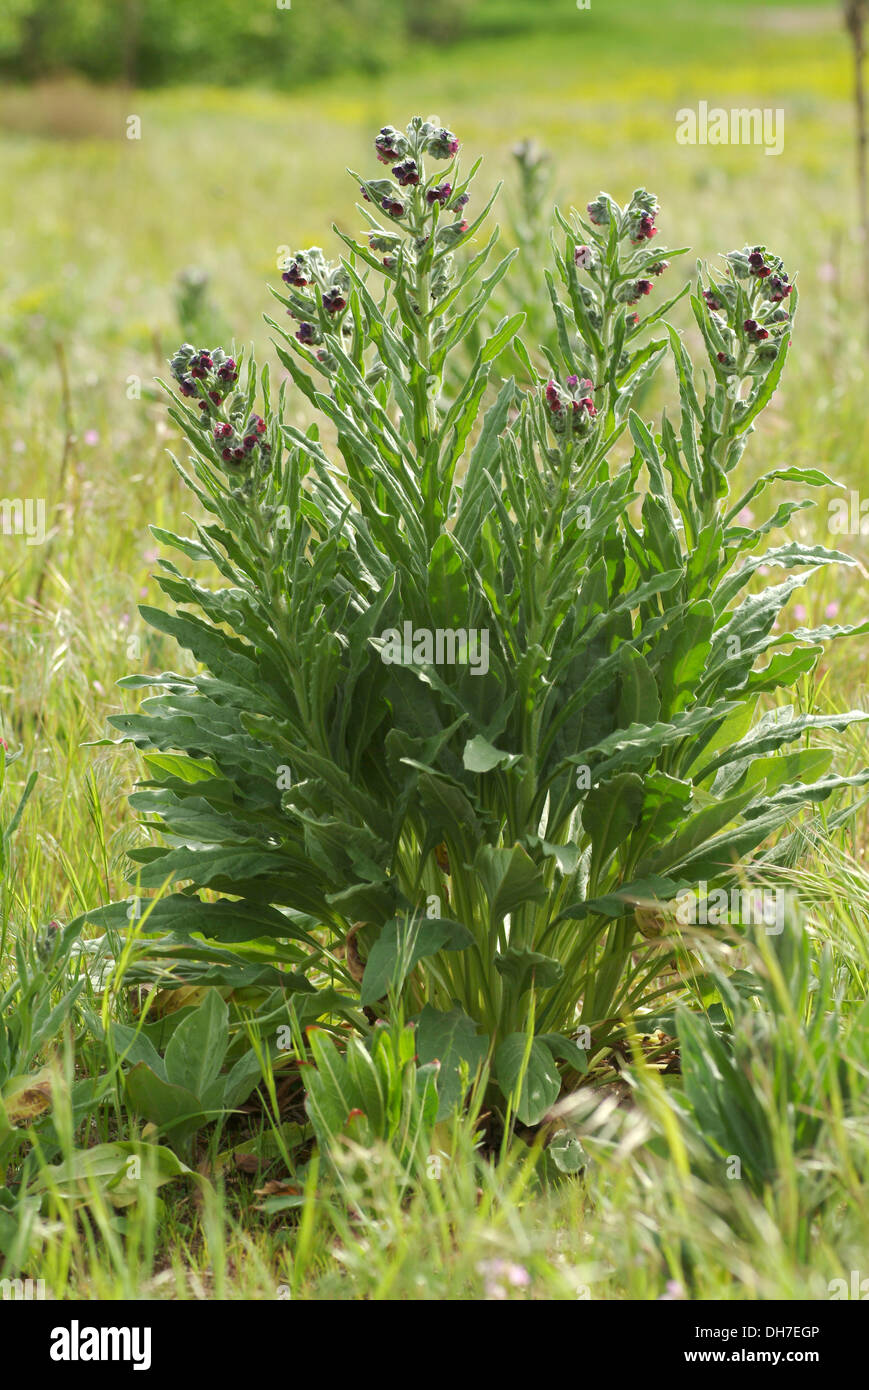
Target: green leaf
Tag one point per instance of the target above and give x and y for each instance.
(108, 1169)
(567, 1152)
(241, 1080)
(481, 756)
(523, 968)
(609, 815)
(183, 916)
(509, 877)
(401, 944)
(566, 1050)
(452, 1040)
(534, 1087)
(638, 702)
(766, 390)
(197, 1048)
(173, 1109)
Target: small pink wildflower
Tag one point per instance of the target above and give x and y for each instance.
(674, 1292)
(499, 1275)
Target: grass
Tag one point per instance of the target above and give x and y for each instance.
(223, 180)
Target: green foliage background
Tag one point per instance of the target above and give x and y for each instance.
(156, 41)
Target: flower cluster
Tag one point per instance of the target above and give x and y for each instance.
(411, 197)
(629, 273)
(570, 410)
(206, 373)
(748, 310)
(759, 263)
(237, 435)
(632, 290)
(639, 218)
(426, 137)
(237, 442)
(637, 221)
(317, 293)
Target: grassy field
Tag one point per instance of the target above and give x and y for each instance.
(101, 226)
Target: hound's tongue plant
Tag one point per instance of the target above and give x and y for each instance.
(479, 690)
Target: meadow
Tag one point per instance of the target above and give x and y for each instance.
(229, 181)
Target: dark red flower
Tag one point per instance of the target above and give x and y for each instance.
(407, 173)
(440, 194)
(293, 275)
(334, 301)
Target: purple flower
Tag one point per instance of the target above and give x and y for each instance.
(334, 301)
(443, 144)
(293, 275)
(390, 144)
(407, 174)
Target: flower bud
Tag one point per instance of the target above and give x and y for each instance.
(334, 301)
(406, 174)
(452, 233)
(640, 216)
(599, 211)
(629, 293)
(583, 257)
(292, 275)
(384, 241)
(442, 144)
(574, 412)
(390, 144)
(308, 334)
